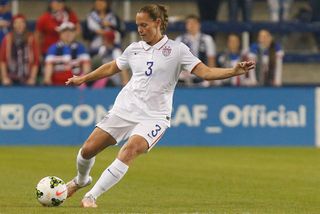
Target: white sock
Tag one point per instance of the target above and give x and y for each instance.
(109, 178)
(84, 166)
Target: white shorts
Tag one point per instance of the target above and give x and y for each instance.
(121, 129)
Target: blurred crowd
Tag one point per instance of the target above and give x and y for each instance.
(53, 52)
(266, 52)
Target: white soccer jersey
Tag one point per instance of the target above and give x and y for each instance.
(155, 71)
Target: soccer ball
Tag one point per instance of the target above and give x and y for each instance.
(51, 191)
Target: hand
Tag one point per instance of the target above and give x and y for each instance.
(100, 32)
(75, 80)
(6, 81)
(31, 81)
(47, 81)
(106, 24)
(244, 67)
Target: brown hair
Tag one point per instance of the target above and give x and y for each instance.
(194, 17)
(156, 11)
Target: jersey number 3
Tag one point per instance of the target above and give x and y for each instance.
(149, 71)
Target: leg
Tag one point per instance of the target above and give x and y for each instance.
(286, 5)
(136, 146)
(233, 10)
(208, 10)
(246, 8)
(97, 141)
(274, 9)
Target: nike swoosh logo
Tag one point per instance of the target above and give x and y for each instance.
(60, 193)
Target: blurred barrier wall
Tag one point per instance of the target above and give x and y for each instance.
(206, 117)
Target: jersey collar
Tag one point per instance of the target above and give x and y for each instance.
(158, 45)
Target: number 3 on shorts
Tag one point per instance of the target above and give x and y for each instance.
(155, 131)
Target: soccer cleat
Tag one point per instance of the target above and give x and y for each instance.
(72, 186)
(89, 202)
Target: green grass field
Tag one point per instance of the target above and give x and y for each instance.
(173, 180)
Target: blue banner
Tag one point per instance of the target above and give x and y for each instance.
(206, 117)
(244, 116)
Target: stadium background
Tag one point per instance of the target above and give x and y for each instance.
(301, 56)
(300, 70)
(243, 178)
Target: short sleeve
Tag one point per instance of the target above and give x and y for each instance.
(123, 60)
(279, 50)
(252, 55)
(81, 48)
(178, 39)
(188, 60)
(211, 47)
(50, 54)
(82, 53)
(93, 24)
(116, 53)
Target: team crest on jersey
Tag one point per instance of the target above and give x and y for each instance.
(166, 50)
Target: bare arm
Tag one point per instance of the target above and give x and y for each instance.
(206, 73)
(48, 69)
(78, 29)
(211, 61)
(33, 75)
(104, 70)
(86, 67)
(278, 71)
(39, 38)
(4, 74)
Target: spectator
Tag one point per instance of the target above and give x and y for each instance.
(19, 57)
(208, 10)
(5, 18)
(108, 52)
(279, 10)
(244, 5)
(315, 7)
(230, 57)
(65, 58)
(201, 45)
(101, 19)
(46, 25)
(268, 56)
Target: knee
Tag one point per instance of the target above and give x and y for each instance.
(129, 152)
(87, 152)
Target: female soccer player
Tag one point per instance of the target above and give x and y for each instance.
(141, 112)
